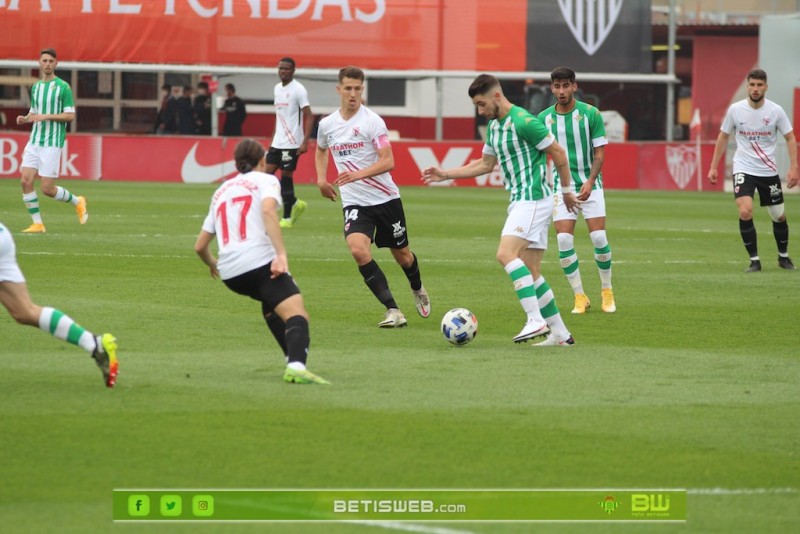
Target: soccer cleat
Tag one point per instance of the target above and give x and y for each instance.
(298, 209)
(105, 355)
(755, 266)
(551, 341)
(581, 303)
(786, 263)
(394, 318)
(608, 305)
(302, 376)
(285, 223)
(532, 330)
(35, 228)
(80, 209)
(422, 301)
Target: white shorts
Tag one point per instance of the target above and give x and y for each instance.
(530, 220)
(45, 159)
(592, 207)
(9, 270)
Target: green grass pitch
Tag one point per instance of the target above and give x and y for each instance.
(694, 383)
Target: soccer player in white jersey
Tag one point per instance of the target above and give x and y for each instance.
(519, 143)
(359, 141)
(15, 298)
(578, 127)
(252, 258)
(293, 124)
(756, 123)
(52, 108)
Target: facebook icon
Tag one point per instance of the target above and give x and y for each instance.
(138, 505)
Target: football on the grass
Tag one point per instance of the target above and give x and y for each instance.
(459, 326)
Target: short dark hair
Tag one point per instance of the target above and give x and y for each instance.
(482, 85)
(202, 85)
(351, 71)
(288, 60)
(167, 87)
(562, 73)
(757, 74)
(51, 51)
(248, 153)
(230, 86)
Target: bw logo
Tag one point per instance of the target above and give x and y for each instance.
(649, 502)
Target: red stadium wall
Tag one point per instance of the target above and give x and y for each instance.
(653, 166)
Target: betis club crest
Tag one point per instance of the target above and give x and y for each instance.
(682, 163)
(590, 21)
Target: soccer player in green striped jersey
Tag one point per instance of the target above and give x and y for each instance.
(519, 143)
(15, 298)
(52, 108)
(579, 129)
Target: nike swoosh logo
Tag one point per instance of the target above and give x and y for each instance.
(193, 172)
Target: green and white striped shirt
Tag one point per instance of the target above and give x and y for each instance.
(53, 97)
(580, 131)
(517, 141)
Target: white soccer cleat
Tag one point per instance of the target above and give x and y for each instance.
(531, 330)
(551, 341)
(394, 318)
(422, 302)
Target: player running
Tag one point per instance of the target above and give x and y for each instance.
(15, 298)
(358, 139)
(252, 258)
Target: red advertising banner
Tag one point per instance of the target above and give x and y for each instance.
(187, 159)
(374, 34)
(82, 157)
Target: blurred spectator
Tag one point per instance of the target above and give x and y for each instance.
(202, 109)
(235, 112)
(167, 116)
(187, 123)
(537, 97)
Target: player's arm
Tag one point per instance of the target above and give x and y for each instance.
(474, 168)
(594, 172)
(793, 177)
(308, 125)
(269, 214)
(561, 163)
(719, 150)
(204, 239)
(55, 117)
(321, 164)
(384, 164)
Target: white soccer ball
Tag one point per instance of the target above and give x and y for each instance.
(459, 326)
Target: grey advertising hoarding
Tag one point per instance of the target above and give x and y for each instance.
(590, 35)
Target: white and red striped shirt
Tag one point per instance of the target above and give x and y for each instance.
(756, 136)
(354, 144)
(289, 102)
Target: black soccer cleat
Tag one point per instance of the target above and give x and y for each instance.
(755, 266)
(786, 263)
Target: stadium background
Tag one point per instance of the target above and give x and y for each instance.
(419, 57)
